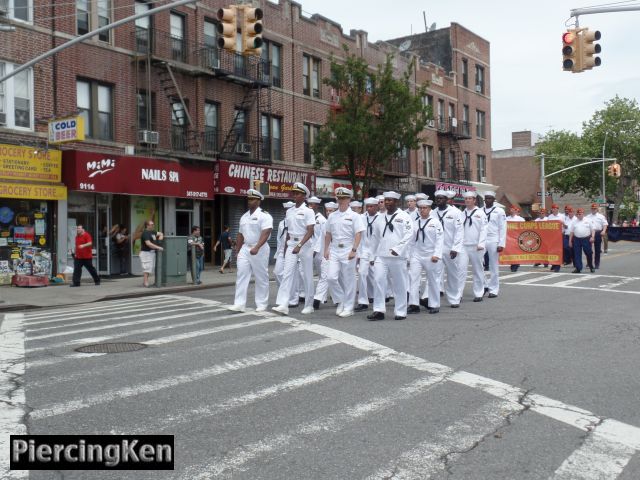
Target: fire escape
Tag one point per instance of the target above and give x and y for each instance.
(169, 66)
(450, 133)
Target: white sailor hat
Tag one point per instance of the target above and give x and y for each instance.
(355, 203)
(288, 204)
(301, 187)
(380, 198)
(490, 193)
(251, 193)
(314, 200)
(469, 194)
(370, 201)
(392, 194)
(451, 194)
(409, 198)
(440, 193)
(343, 192)
(421, 196)
(331, 205)
(425, 203)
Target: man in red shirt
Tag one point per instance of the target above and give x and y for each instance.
(82, 257)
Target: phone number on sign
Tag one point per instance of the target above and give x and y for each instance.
(87, 186)
(197, 194)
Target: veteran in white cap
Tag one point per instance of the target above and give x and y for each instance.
(475, 240)
(252, 253)
(299, 248)
(496, 241)
(390, 245)
(365, 270)
(343, 234)
(453, 250)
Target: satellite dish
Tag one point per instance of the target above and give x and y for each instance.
(404, 46)
(432, 27)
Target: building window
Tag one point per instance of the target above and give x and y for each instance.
(310, 76)
(178, 125)
(440, 118)
(271, 137)
(88, 19)
(452, 164)
(310, 134)
(482, 165)
(427, 101)
(465, 73)
(16, 98)
(146, 110)
(466, 158)
(466, 127)
(272, 61)
(480, 124)
(19, 9)
(479, 79)
(442, 163)
(427, 168)
(95, 104)
(211, 126)
(368, 86)
(143, 28)
(211, 59)
(178, 50)
(240, 128)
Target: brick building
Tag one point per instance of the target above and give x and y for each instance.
(164, 108)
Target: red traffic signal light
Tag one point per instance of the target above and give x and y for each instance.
(570, 57)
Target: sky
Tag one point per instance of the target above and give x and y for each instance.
(529, 89)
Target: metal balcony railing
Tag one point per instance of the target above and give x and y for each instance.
(398, 166)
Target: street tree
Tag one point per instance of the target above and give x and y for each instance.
(378, 115)
(619, 123)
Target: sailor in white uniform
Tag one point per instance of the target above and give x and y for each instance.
(392, 234)
(475, 239)
(299, 247)
(344, 229)
(411, 209)
(496, 241)
(281, 240)
(365, 270)
(356, 206)
(514, 216)
(252, 254)
(426, 255)
(322, 288)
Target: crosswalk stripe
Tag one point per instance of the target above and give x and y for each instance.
(54, 360)
(430, 457)
(574, 280)
(173, 381)
(252, 397)
(85, 308)
(128, 333)
(113, 325)
(595, 289)
(597, 459)
(12, 396)
(620, 283)
(332, 423)
(537, 279)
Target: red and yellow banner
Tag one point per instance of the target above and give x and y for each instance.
(533, 242)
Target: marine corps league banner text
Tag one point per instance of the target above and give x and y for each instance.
(533, 242)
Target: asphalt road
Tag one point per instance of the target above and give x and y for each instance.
(541, 382)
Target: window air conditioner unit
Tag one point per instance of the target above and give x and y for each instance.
(3, 118)
(454, 122)
(483, 179)
(4, 7)
(148, 136)
(431, 123)
(478, 88)
(243, 148)
(443, 175)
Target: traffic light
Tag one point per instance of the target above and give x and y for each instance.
(227, 27)
(252, 31)
(610, 170)
(588, 49)
(570, 56)
(614, 170)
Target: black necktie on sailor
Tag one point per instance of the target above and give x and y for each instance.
(389, 223)
(284, 228)
(421, 229)
(468, 217)
(370, 225)
(441, 218)
(489, 213)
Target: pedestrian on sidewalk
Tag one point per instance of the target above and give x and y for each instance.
(148, 248)
(225, 241)
(195, 241)
(83, 256)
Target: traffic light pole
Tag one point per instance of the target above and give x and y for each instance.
(576, 12)
(92, 33)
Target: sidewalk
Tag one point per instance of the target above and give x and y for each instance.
(16, 299)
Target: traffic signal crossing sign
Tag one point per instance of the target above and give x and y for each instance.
(579, 50)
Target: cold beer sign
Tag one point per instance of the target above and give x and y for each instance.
(69, 129)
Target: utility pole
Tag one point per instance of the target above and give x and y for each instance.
(92, 33)
(576, 12)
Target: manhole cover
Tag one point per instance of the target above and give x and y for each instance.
(111, 348)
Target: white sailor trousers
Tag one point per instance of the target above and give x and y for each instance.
(258, 265)
(433, 273)
(365, 281)
(278, 269)
(342, 277)
(493, 282)
(394, 271)
(475, 257)
(305, 257)
(322, 288)
(456, 276)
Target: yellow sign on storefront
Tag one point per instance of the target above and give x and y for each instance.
(32, 191)
(27, 163)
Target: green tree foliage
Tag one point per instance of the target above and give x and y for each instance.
(377, 116)
(619, 124)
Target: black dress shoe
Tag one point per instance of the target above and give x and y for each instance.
(486, 289)
(386, 300)
(74, 285)
(492, 295)
(442, 294)
(301, 299)
(294, 306)
(575, 270)
(477, 299)
(592, 269)
(413, 309)
(316, 304)
(371, 300)
(434, 310)
(398, 317)
(361, 307)
(455, 305)
(424, 302)
(375, 316)
(97, 284)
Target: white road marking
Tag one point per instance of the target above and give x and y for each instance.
(12, 397)
(209, 331)
(53, 313)
(173, 381)
(595, 289)
(252, 397)
(514, 275)
(334, 422)
(620, 282)
(428, 458)
(538, 279)
(572, 281)
(64, 358)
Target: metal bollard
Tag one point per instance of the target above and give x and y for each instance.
(159, 259)
(193, 263)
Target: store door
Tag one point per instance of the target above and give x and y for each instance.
(183, 223)
(103, 249)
